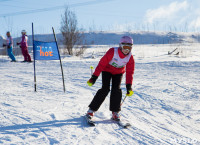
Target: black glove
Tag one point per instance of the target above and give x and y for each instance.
(4, 45)
(128, 88)
(9, 46)
(92, 80)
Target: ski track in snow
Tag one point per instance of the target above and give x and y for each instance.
(165, 108)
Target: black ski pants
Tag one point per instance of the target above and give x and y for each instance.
(115, 95)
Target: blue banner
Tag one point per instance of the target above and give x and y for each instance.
(45, 50)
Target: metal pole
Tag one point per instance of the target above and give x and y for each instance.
(123, 100)
(60, 60)
(34, 58)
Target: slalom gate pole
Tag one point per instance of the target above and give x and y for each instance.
(34, 58)
(60, 60)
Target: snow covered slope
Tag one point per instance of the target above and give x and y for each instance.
(165, 108)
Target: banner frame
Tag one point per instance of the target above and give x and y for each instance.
(35, 83)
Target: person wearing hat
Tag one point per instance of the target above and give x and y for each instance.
(9, 45)
(113, 65)
(24, 47)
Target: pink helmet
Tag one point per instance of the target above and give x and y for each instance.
(126, 39)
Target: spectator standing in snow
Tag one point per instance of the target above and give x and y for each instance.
(113, 65)
(24, 47)
(9, 46)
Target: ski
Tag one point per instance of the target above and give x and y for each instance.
(169, 53)
(121, 123)
(89, 121)
(124, 125)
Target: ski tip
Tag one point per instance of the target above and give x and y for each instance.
(92, 124)
(89, 121)
(127, 125)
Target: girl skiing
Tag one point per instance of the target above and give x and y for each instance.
(24, 47)
(113, 65)
(9, 45)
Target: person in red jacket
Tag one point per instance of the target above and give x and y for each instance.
(113, 65)
(24, 47)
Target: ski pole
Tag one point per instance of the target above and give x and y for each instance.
(91, 68)
(88, 82)
(130, 94)
(123, 100)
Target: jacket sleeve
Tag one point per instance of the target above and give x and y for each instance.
(20, 43)
(104, 61)
(11, 42)
(130, 67)
(23, 42)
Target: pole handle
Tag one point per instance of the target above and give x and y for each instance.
(127, 95)
(92, 70)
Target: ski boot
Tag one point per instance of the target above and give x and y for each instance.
(90, 114)
(115, 116)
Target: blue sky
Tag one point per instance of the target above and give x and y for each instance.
(101, 15)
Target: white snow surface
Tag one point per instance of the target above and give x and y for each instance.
(165, 107)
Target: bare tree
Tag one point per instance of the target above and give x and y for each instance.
(71, 33)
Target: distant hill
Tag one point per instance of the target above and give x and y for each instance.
(109, 38)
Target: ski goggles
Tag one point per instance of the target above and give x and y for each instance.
(126, 46)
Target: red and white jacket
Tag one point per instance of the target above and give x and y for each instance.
(105, 65)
